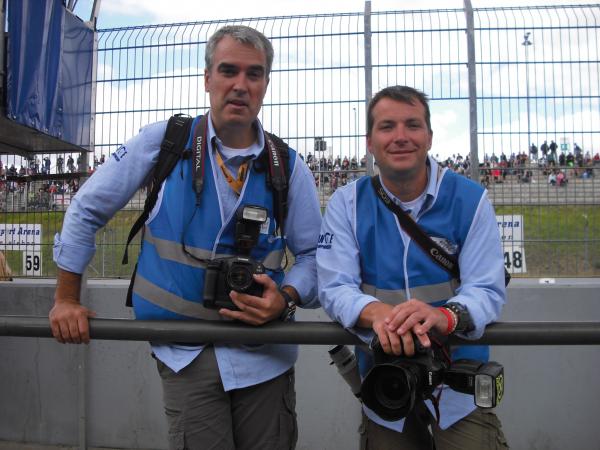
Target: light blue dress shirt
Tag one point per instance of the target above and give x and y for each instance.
(481, 265)
(129, 169)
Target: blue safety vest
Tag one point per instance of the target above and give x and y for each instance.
(169, 283)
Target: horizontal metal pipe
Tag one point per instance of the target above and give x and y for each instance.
(312, 333)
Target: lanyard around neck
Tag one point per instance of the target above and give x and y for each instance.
(236, 183)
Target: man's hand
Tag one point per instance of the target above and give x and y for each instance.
(257, 310)
(69, 322)
(418, 317)
(377, 315)
(395, 326)
(68, 318)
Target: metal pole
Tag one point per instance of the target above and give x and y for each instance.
(474, 153)
(82, 356)
(311, 333)
(526, 42)
(2, 57)
(95, 12)
(356, 137)
(368, 75)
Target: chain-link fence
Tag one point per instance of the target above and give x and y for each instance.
(514, 98)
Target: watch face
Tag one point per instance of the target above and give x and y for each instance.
(288, 313)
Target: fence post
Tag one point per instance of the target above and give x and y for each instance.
(368, 74)
(474, 153)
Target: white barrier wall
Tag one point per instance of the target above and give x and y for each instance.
(108, 393)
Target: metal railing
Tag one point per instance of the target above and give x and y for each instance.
(311, 333)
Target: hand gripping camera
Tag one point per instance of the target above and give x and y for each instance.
(395, 383)
(235, 273)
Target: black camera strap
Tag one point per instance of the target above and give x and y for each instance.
(440, 256)
(437, 253)
(199, 144)
(277, 177)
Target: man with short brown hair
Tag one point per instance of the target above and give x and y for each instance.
(376, 281)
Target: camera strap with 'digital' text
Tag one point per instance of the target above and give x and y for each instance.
(438, 254)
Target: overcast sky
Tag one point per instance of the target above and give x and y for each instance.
(121, 13)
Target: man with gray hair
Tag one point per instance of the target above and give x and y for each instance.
(216, 396)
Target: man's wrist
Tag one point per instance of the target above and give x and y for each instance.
(451, 320)
(289, 309)
(68, 287)
(464, 321)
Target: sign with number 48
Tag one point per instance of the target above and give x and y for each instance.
(510, 227)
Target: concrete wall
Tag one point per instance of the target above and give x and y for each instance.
(110, 390)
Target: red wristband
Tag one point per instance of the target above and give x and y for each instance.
(449, 318)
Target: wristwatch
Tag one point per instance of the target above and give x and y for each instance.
(290, 307)
(464, 322)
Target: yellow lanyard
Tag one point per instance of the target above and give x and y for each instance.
(235, 183)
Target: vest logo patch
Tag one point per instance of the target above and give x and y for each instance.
(120, 153)
(264, 228)
(325, 241)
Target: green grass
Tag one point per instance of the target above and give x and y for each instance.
(560, 241)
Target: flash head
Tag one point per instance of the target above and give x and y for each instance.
(485, 381)
(252, 213)
(489, 385)
(247, 227)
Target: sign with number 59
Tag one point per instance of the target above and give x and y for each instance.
(32, 264)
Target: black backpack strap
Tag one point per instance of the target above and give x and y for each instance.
(129, 298)
(171, 151)
(278, 175)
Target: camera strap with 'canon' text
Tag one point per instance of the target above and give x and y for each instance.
(438, 254)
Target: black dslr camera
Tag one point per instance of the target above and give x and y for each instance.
(396, 383)
(235, 273)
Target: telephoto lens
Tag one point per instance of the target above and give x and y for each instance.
(345, 361)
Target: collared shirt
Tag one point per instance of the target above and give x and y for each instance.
(480, 260)
(130, 168)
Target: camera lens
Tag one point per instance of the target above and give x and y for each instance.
(239, 277)
(391, 389)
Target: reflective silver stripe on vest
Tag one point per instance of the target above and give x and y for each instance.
(435, 292)
(389, 296)
(274, 259)
(171, 302)
(429, 294)
(173, 251)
